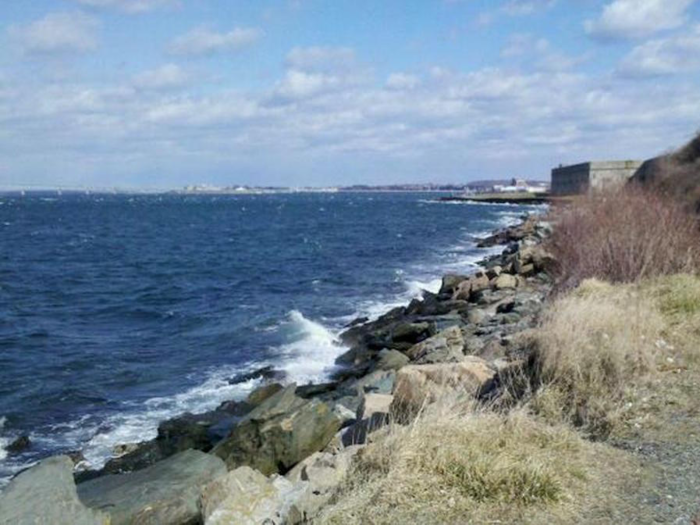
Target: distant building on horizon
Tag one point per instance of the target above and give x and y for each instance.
(599, 176)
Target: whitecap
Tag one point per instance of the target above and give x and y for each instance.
(4, 442)
(140, 423)
(310, 354)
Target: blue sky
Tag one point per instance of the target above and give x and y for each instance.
(163, 93)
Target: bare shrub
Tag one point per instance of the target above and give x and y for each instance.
(596, 345)
(623, 237)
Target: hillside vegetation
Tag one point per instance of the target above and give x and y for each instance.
(676, 174)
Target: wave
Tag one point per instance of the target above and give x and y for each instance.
(4, 442)
(310, 354)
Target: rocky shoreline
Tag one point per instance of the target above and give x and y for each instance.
(279, 454)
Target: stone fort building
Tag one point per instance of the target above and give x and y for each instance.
(580, 178)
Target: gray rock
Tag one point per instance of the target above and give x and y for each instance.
(379, 382)
(410, 332)
(476, 316)
(279, 433)
(451, 282)
(391, 360)
(262, 393)
(445, 347)
(324, 473)
(246, 497)
(505, 281)
(167, 492)
(45, 495)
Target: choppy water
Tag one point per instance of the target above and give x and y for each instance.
(117, 312)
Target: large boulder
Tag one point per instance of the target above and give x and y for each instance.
(45, 495)
(451, 282)
(445, 347)
(279, 433)
(537, 256)
(379, 382)
(323, 472)
(505, 282)
(167, 492)
(391, 360)
(467, 289)
(410, 332)
(418, 385)
(246, 497)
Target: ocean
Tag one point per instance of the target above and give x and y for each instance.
(120, 311)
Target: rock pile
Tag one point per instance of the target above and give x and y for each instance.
(278, 456)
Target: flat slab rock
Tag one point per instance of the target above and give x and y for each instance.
(246, 497)
(46, 495)
(166, 493)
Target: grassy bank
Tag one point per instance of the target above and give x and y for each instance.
(599, 424)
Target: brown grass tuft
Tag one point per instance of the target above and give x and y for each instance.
(595, 346)
(456, 467)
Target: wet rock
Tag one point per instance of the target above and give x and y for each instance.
(46, 494)
(445, 347)
(262, 393)
(167, 492)
(266, 372)
(19, 445)
(311, 390)
(279, 433)
(246, 497)
(357, 322)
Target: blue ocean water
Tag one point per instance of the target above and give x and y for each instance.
(117, 312)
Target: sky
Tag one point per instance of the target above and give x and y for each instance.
(164, 93)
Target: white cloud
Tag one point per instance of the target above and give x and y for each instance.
(168, 76)
(526, 7)
(57, 33)
(321, 58)
(537, 53)
(335, 124)
(402, 81)
(301, 84)
(622, 19)
(667, 56)
(130, 6)
(202, 41)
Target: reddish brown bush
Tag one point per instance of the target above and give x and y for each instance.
(624, 236)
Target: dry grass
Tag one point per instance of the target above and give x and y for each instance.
(595, 347)
(623, 237)
(455, 467)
